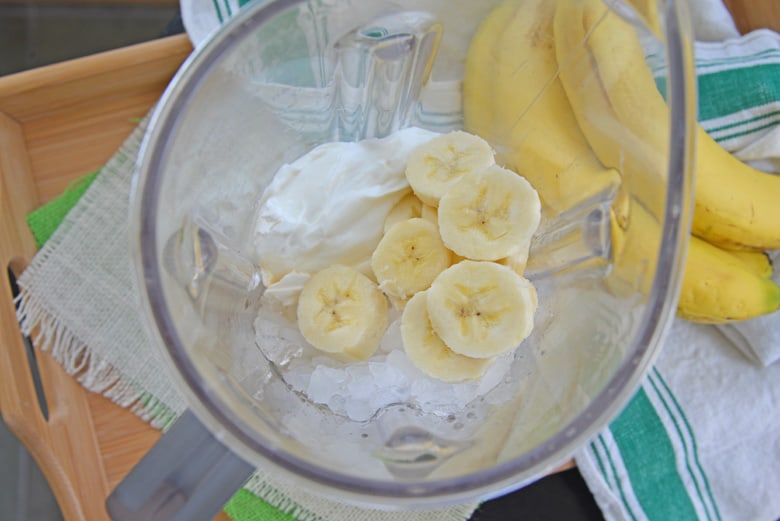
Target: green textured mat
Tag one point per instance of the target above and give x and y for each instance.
(43, 222)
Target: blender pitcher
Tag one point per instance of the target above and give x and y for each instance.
(277, 81)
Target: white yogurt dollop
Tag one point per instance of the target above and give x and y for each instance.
(328, 207)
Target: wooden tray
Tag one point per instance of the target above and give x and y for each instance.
(754, 14)
(58, 123)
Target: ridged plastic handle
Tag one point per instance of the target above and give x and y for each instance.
(187, 476)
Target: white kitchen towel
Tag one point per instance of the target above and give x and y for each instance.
(700, 440)
(740, 96)
(711, 21)
(202, 17)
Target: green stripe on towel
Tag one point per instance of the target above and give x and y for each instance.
(742, 133)
(649, 459)
(219, 13)
(688, 441)
(747, 122)
(732, 94)
(611, 475)
(657, 60)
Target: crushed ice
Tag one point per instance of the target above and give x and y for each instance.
(358, 390)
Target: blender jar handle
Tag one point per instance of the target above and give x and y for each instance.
(187, 476)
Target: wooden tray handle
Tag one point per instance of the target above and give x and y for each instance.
(754, 14)
(63, 445)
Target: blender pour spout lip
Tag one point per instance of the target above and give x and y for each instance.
(187, 476)
(576, 242)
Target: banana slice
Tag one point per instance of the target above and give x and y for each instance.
(341, 311)
(430, 213)
(427, 351)
(408, 207)
(517, 262)
(489, 215)
(408, 258)
(436, 165)
(481, 309)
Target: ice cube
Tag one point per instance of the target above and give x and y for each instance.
(325, 383)
(384, 397)
(386, 375)
(336, 404)
(358, 410)
(360, 384)
(298, 379)
(423, 390)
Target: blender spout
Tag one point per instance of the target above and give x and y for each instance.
(381, 69)
(577, 242)
(207, 266)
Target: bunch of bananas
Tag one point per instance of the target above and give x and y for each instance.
(564, 94)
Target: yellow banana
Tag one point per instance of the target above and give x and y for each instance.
(624, 117)
(477, 78)
(756, 261)
(513, 99)
(718, 286)
(647, 11)
(509, 64)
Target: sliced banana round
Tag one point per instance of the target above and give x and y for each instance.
(341, 311)
(517, 261)
(408, 207)
(436, 165)
(489, 215)
(429, 353)
(408, 258)
(481, 309)
(430, 213)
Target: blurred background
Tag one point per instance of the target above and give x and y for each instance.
(35, 33)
